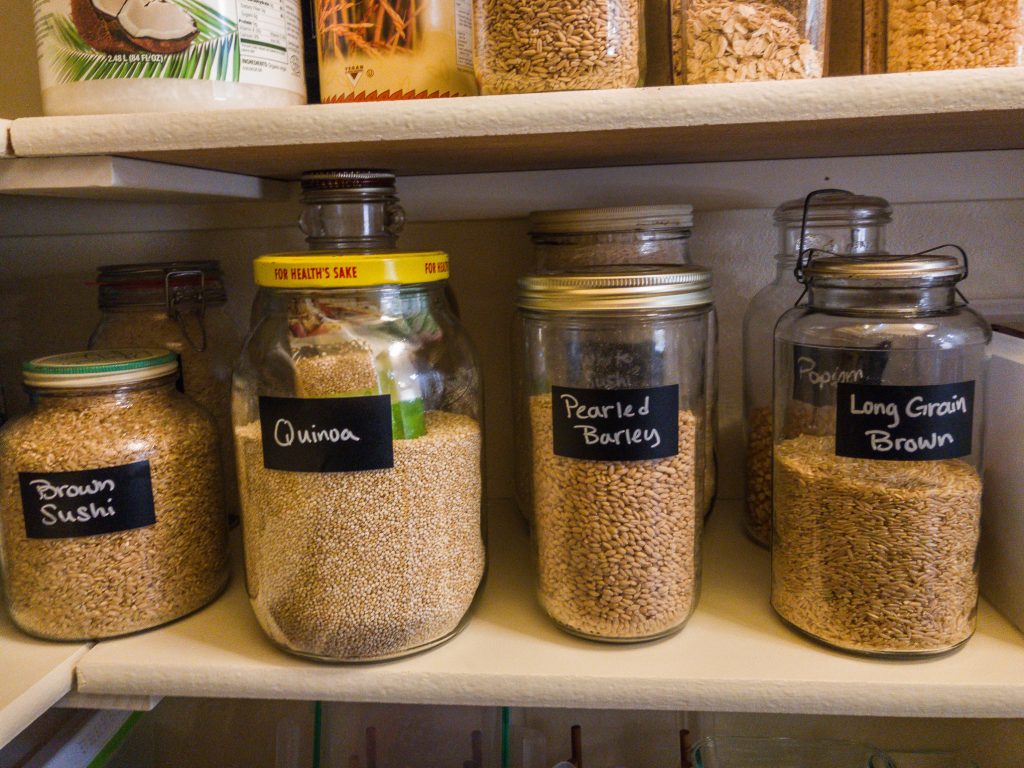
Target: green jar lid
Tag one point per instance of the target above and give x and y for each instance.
(99, 368)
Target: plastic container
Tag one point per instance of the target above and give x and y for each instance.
(112, 56)
(611, 395)
(752, 752)
(357, 427)
(877, 494)
(838, 222)
(917, 35)
(111, 499)
(523, 47)
(180, 306)
(723, 41)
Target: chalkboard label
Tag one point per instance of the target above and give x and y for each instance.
(895, 423)
(616, 424)
(329, 434)
(88, 502)
(818, 371)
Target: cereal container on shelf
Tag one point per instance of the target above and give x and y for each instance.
(724, 41)
(358, 435)
(389, 50)
(626, 236)
(526, 47)
(835, 221)
(877, 494)
(612, 389)
(917, 35)
(113, 56)
(111, 499)
(180, 306)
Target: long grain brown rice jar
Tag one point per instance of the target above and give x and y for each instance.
(558, 45)
(357, 430)
(877, 486)
(111, 498)
(611, 389)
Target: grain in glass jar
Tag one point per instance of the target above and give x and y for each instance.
(357, 419)
(918, 35)
(835, 221)
(611, 390)
(180, 306)
(584, 238)
(111, 498)
(877, 493)
(571, 45)
(725, 41)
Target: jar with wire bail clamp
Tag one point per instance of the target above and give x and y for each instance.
(612, 386)
(357, 418)
(877, 492)
(111, 500)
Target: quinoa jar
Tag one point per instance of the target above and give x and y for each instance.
(180, 306)
(877, 491)
(111, 499)
(357, 429)
(611, 395)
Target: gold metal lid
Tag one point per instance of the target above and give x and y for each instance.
(614, 289)
(913, 267)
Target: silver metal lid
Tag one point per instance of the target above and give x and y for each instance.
(838, 208)
(913, 267)
(616, 289)
(622, 219)
(365, 179)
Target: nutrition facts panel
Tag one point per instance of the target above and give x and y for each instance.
(270, 38)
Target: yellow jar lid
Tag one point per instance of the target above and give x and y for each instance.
(317, 269)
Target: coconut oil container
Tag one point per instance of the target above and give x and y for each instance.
(114, 56)
(877, 487)
(357, 418)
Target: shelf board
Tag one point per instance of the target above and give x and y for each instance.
(734, 655)
(863, 115)
(34, 675)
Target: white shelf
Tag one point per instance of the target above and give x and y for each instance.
(864, 115)
(734, 655)
(34, 675)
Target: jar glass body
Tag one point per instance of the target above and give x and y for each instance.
(874, 550)
(763, 312)
(915, 35)
(777, 40)
(617, 541)
(207, 342)
(361, 564)
(585, 45)
(83, 585)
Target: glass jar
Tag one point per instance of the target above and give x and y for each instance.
(180, 306)
(917, 35)
(111, 498)
(781, 752)
(877, 496)
(357, 419)
(723, 41)
(577, 45)
(575, 240)
(838, 222)
(612, 394)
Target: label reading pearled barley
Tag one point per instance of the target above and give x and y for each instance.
(89, 502)
(258, 42)
(615, 424)
(905, 423)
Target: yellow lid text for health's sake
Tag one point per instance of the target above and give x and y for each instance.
(339, 270)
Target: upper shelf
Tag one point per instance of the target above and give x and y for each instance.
(734, 655)
(864, 115)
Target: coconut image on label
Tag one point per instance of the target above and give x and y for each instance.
(133, 26)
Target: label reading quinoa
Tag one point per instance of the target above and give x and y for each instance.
(904, 423)
(615, 424)
(327, 434)
(88, 502)
(817, 371)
